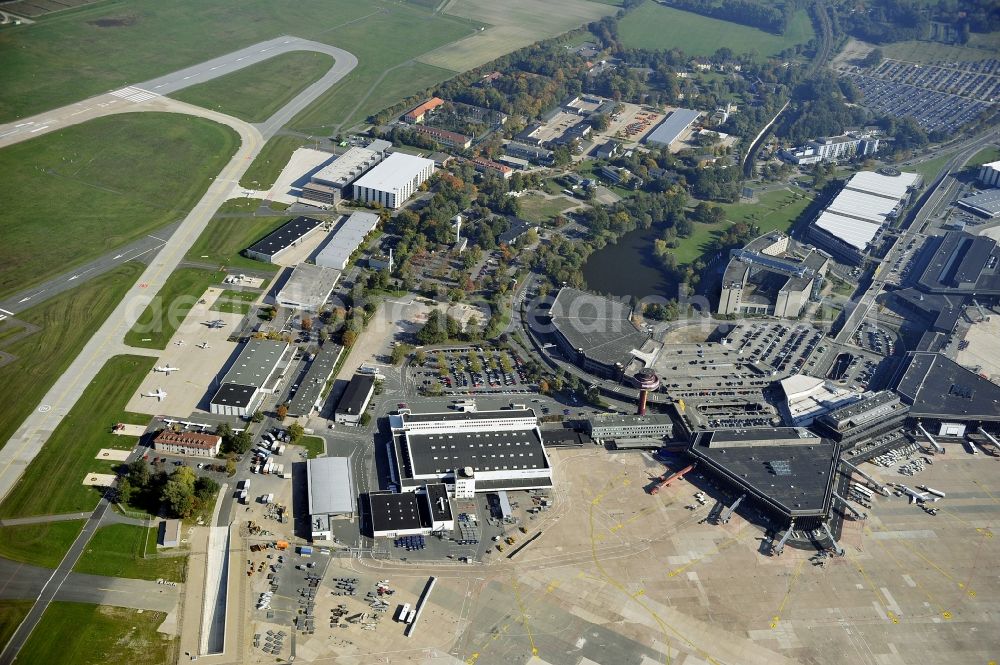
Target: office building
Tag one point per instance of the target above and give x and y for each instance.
(866, 419)
(619, 427)
(191, 444)
(394, 180)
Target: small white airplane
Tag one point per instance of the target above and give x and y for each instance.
(166, 369)
(159, 394)
(179, 342)
(203, 345)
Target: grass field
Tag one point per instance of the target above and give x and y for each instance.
(74, 194)
(225, 237)
(984, 156)
(39, 544)
(930, 169)
(230, 307)
(97, 634)
(776, 210)
(117, 550)
(931, 52)
(314, 445)
(535, 208)
(12, 613)
(266, 168)
(160, 320)
(255, 93)
(52, 483)
(67, 321)
(654, 26)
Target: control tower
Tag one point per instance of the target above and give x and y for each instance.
(647, 380)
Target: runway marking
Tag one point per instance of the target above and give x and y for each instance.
(788, 593)
(13, 131)
(212, 69)
(878, 596)
(2, 310)
(133, 94)
(38, 129)
(157, 87)
(25, 124)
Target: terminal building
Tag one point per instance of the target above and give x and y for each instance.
(807, 398)
(308, 397)
(649, 430)
(331, 494)
(790, 471)
(959, 263)
(346, 240)
(254, 374)
(872, 416)
(851, 227)
(329, 185)
(475, 451)
(426, 510)
(985, 204)
(937, 388)
(595, 332)
(271, 247)
(394, 180)
(772, 276)
(355, 400)
(308, 288)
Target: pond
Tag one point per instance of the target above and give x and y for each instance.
(629, 267)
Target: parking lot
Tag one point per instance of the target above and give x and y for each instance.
(933, 110)
(975, 80)
(471, 370)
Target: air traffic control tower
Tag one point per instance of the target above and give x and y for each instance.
(647, 380)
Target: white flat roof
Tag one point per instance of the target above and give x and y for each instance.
(309, 285)
(347, 166)
(863, 205)
(883, 185)
(393, 172)
(346, 239)
(331, 491)
(854, 232)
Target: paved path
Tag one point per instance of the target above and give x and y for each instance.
(44, 519)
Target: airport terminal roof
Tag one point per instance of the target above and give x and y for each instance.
(808, 397)
(890, 186)
(331, 491)
(393, 172)
(854, 232)
(466, 415)
(937, 387)
(788, 468)
(960, 262)
(672, 126)
(284, 236)
(599, 326)
(626, 420)
(256, 362)
(482, 450)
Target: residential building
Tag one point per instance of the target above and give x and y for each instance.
(448, 139)
(191, 444)
(418, 113)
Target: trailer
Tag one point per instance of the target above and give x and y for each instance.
(664, 481)
(404, 612)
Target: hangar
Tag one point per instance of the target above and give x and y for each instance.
(253, 375)
(270, 248)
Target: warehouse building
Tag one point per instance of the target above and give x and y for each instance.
(253, 375)
(308, 288)
(985, 204)
(627, 429)
(672, 127)
(477, 451)
(270, 248)
(394, 180)
(329, 185)
(346, 240)
(426, 510)
(191, 444)
(355, 400)
(989, 174)
(308, 397)
(331, 494)
(595, 332)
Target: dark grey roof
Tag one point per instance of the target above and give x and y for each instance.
(483, 451)
(937, 387)
(793, 476)
(599, 326)
(312, 384)
(390, 512)
(358, 391)
(256, 362)
(985, 203)
(234, 394)
(436, 492)
(959, 263)
(871, 406)
(518, 227)
(284, 236)
(466, 415)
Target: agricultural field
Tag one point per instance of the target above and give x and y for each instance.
(67, 321)
(654, 26)
(225, 237)
(42, 545)
(52, 483)
(511, 25)
(99, 185)
(160, 320)
(254, 94)
(935, 52)
(124, 550)
(98, 634)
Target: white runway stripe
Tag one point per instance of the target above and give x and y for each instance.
(136, 95)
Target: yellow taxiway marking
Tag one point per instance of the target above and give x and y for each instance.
(946, 614)
(788, 593)
(524, 618)
(881, 601)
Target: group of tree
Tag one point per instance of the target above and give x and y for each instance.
(766, 16)
(233, 441)
(180, 493)
(439, 328)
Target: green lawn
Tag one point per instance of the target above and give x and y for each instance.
(124, 550)
(67, 321)
(255, 93)
(75, 194)
(930, 169)
(12, 613)
(52, 483)
(160, 320)
(984, 156)
(230, 307)
(225, 237)
(775, 210)
(653, 26)
(266, 168)
(243, 296)
(935, 52)
(314, 445)
(535, 208)
(98, 634)
(39, 544)
(117, 43)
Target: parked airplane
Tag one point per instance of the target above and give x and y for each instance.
(203, 345)
(179, 342)
(159, 394)
(915, 496)
(217, 323)
(166, 369)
